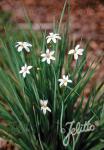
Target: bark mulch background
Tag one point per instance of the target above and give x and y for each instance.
(87, 17)
(87, 22)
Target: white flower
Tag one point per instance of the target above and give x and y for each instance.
(48, 56)
(53, 37)
(44, 106)
(77, 51)
(25, 70)
(64, 81)
(23, 45)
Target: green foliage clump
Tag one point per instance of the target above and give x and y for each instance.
(25, 124)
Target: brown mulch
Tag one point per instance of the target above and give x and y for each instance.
(87, 17)
(7, 145)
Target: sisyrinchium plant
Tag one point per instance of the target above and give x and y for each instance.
(41, 94)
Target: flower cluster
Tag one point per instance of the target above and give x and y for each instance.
(53, 37)
(64, 81)
(23, 45)
(48, 56)
(77, 51)
(44, 106)
(25, 70)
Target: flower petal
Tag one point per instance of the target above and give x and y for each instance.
(48, 109)
(48, 61)
(75, 56)
(21, 71)
(29, 67)
(27, 44)
(44, 111)
(28, 72)
(60, 80)
(47, 51)
(19, 43)
(45, 102)
(71, 51)
(67, 77)
(44, 59)
(51, 33)
(58, 37)
(27, 49)
(61, 84)
(52, 52)
(25, 65)
(65, 83)
(70, 81)
(41, 102)
(16, 45)
(80, 51)
(64, 77)
(48, 40)
(77, 46)
(24, 74)
(20, 48)
(53, 58)
(43, 55)
(54, 40)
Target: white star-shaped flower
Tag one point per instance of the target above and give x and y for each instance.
(64, 81)
(48, 56)
(53, 37)
(77, 51)
(44, 106)
(23, 45)
(25, 70)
